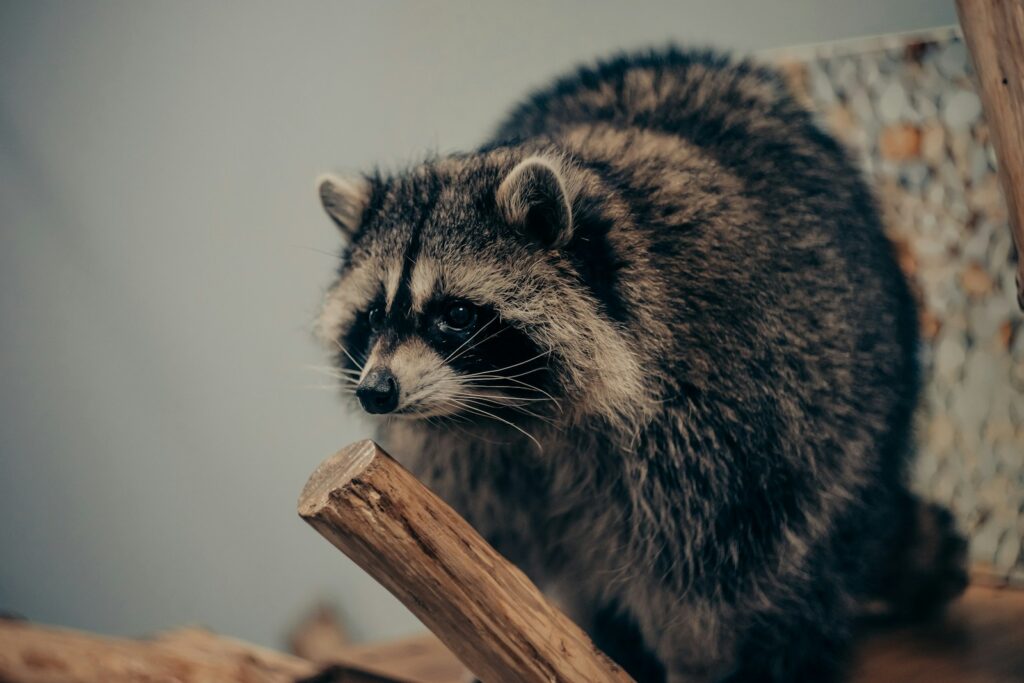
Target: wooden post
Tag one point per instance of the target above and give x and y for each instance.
(994, 32)
(481, 606)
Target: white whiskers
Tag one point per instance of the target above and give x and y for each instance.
(451, 400)
(350, 356)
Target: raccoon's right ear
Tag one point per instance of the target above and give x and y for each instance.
(345, 200)
(537, 196)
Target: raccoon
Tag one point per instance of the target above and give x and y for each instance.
(651, 341)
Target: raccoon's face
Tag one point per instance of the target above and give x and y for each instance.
(455, 298)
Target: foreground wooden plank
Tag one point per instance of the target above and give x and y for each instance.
(30, 653)
(481, 606)
(994, 32)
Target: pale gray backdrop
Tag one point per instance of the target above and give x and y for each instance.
(161, 260)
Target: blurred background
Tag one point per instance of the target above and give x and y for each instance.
(162, 256)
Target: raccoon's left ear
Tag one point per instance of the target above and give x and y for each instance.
(537, 196)
(345, 200)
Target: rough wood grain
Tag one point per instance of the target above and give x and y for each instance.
(482, 607)
(994, 32)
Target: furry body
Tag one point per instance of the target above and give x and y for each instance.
(695, 277)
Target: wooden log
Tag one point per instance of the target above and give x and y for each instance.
(30, 653)
(994, 32)
(482, 607)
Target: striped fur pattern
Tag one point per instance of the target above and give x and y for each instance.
(683, 404)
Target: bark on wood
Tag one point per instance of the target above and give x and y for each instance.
(994, 32)
(483, 608)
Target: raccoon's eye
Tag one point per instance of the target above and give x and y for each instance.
(459, 316)
(375, 316)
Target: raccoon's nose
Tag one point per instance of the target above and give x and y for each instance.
(378, 392)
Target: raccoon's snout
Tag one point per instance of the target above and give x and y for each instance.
(378, 392)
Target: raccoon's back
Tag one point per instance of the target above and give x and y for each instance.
(744, 118)
(738, 111)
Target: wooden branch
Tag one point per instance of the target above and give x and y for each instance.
(994, 32)
(30, 653)
(483, 608)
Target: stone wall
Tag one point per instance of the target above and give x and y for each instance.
(907, 108)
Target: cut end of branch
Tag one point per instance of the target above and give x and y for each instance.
(334, 474)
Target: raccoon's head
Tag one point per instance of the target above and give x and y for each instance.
(478, 288)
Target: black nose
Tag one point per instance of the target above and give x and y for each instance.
(378, 392)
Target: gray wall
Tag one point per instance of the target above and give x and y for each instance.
(162, 256)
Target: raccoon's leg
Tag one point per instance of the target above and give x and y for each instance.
(913, 560)
(800, 645)
(617, 635)
(797, 632)
(694, 640)
(781, 649)
(805, 657)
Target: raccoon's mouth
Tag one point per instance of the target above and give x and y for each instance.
(422, 413)
(459, 406)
